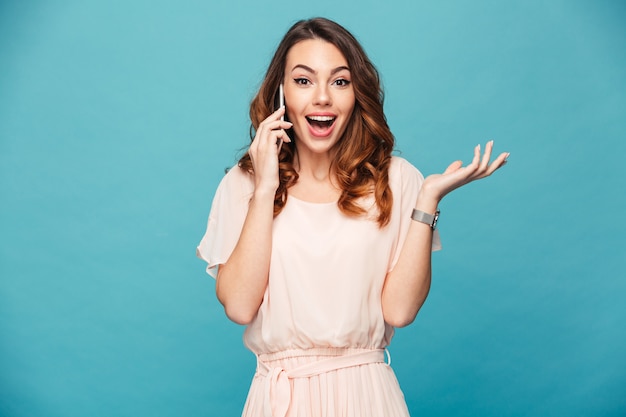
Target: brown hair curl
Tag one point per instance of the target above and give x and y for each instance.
(363, 154)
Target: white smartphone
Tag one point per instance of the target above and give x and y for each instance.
(281, 99)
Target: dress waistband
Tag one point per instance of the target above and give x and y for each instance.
(277, 386)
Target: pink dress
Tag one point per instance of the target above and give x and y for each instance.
(319, 335)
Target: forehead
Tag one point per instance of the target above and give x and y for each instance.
(316, 54)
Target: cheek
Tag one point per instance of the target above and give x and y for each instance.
(291, 115)
(348, 111)
(347, 104)
(292, 106)
(294, 99)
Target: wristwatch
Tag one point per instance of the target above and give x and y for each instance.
(422, 217)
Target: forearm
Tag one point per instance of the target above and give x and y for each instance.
(406, 286)
(242, 280)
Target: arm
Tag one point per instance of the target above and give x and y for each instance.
(406, 286)
(242, 280)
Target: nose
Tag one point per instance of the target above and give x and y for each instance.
(322, 95)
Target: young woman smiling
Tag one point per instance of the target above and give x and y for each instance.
(320, 241)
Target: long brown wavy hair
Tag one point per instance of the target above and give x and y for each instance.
(363, 154)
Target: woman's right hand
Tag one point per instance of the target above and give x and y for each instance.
(242, 280)
(264, 151)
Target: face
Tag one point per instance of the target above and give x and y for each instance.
(318, 95)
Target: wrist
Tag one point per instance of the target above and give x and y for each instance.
(426, 210)
(425, 218)
(426, 203)
(429, 194)
(264, 194)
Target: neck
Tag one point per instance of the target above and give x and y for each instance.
(317, 167)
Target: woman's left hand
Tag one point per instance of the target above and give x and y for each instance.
(437, 186)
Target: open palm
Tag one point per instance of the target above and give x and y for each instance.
(457, 175)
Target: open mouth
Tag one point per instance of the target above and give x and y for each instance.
(321, 122)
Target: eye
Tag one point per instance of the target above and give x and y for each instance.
(342, 82)
(301, 81)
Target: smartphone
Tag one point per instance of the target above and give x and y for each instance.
(281, 99)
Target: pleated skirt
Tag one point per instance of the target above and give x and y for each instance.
(367, 389)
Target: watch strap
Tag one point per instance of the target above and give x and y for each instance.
(423, 217)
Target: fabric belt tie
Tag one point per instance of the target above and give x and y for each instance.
(277, 386)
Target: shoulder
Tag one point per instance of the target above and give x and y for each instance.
(236, 182)
(236, 176)
(402, 171)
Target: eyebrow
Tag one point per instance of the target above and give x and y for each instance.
(309, 69)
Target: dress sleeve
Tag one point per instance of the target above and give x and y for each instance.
(406, 182)
(228, 213)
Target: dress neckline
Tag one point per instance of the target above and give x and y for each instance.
(311, 202)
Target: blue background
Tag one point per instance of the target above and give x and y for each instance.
(118, 118)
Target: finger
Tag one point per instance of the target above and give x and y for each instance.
(267, 142)
(274, 117)
(484, 163)
(283, 135)
(269, 132)
(453, 167)
(273, 145)
(277, 114)
(498, 163)
(280, 111)
(279, 141)
(476, 158)
(473, 166)
(268, 125)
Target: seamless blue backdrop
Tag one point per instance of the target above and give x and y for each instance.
(118, 118)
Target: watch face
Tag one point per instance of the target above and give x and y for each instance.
(435, 220)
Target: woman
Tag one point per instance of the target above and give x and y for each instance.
(320, 241)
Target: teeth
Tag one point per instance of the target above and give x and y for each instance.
(321, 118)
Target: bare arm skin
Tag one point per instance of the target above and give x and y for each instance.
(406, 286)
(242, 280)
